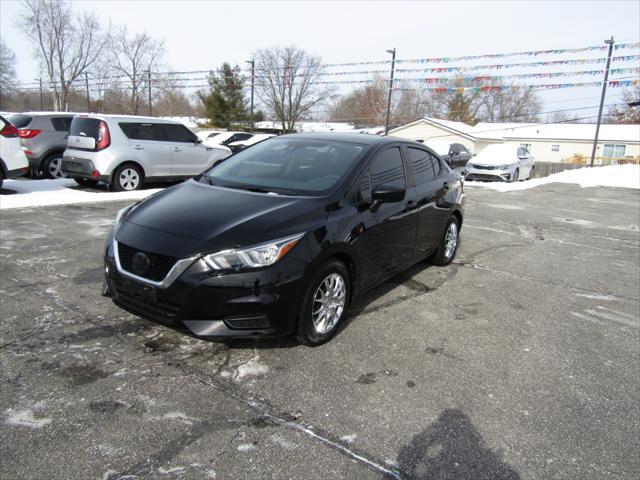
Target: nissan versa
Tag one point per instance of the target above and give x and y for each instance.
(279, 238)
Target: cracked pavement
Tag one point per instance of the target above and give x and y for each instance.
(519, 361)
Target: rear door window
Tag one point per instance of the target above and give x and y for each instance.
(177, 133)
(142, 131)
(61, 124)
(425, 166)
(388, 169)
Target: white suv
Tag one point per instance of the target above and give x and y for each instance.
(13, 161)
(126, 151)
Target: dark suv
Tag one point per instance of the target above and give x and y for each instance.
(44, 137)
(280, 237)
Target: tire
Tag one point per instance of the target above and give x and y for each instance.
(127, 177)
(516, 175)
(1, 181)
(86, 182)
(52, 167)
(446, 252)
(329, 277)
(532, 172)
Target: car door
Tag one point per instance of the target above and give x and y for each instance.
(389, 229)
(149, 148)
(188, 156)
(431, 186)
(61, 126)
(524, 162)
(464, 156)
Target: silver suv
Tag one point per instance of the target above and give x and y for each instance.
(44, 137)
(126, 151)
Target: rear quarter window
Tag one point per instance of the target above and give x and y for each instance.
(20, 120)
(61, 124)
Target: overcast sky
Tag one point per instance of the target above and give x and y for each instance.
(201, 35)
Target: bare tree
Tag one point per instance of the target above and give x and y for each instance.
(366, 105)
(7, 71)
(134, 55)
(287, 83)
(67, 43)
(627, 113)
(514, 104)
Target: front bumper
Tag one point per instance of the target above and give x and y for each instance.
(487, 174)
(260, 303)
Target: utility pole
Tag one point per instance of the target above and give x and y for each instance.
(86, 82)
(252, 62)
(149, 90)
(604, 91)
(393, 66)
(41, 96)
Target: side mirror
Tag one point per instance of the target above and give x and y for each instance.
(387, 194)
(454, 153)
(522, 157)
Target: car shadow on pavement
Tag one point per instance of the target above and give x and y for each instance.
(6, 191)
(449, 448)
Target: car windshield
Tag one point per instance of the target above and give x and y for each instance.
(288, 165)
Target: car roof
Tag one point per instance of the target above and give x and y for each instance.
(129, 118)
(361, 138)
(49, 114)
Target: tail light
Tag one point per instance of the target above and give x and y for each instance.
(28, 133)
(9, 131)
(104, 137)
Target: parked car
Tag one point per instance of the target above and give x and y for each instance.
(126, 151)
(455, 154)
(504, 162)
(204, 134)
(44, 137)
(280, 237)
(242, 144)
(13, 162)
(226, 138)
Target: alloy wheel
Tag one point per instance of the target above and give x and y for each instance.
(451, 240)
(129, 179)
(55, 168)
(328, 303)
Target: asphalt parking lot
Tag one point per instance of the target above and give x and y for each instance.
(519, 361)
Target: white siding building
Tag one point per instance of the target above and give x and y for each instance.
(557, 142)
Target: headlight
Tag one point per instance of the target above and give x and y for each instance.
(258, 256)
(121, 215)
(504, 167)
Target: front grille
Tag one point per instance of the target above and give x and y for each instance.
(247, 322)
(160, 264)
(481, 177)
(161, 311)
(485, 167)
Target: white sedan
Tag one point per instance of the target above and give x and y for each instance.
(508, 163)
(242, 144)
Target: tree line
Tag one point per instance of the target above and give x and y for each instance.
(122, 70)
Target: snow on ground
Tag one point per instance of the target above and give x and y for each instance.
(36, 193)
(627, 176)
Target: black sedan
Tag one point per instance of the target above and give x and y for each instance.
(278, 239)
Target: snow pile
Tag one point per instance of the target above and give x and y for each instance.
(627, 176)
(35, 193)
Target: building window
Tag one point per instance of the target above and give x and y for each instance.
(611, 150)
(527, 146)
(555, 148)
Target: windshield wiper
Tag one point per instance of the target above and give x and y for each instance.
(250, 188)
(205, 177)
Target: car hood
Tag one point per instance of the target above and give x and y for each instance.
(192, 218)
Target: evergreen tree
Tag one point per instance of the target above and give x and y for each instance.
(224, 103)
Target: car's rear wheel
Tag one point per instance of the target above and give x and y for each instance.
(324, 305)
(449, 242)
(516, 175)
(532, 172)
(128, 177)
(52, 167)
(86, 182)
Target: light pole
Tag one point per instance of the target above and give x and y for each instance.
(252, 62)
(149, 90)
(393, 66)
(41, 95)
(604, 91)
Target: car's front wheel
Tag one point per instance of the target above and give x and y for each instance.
(516, 175)
(128, 177)
(449, 242)
(324, 306)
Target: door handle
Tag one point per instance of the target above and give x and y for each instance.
(177, 149)
(138, 147)
(445, 185)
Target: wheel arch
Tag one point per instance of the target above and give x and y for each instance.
(3, 169)
(128, 162)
